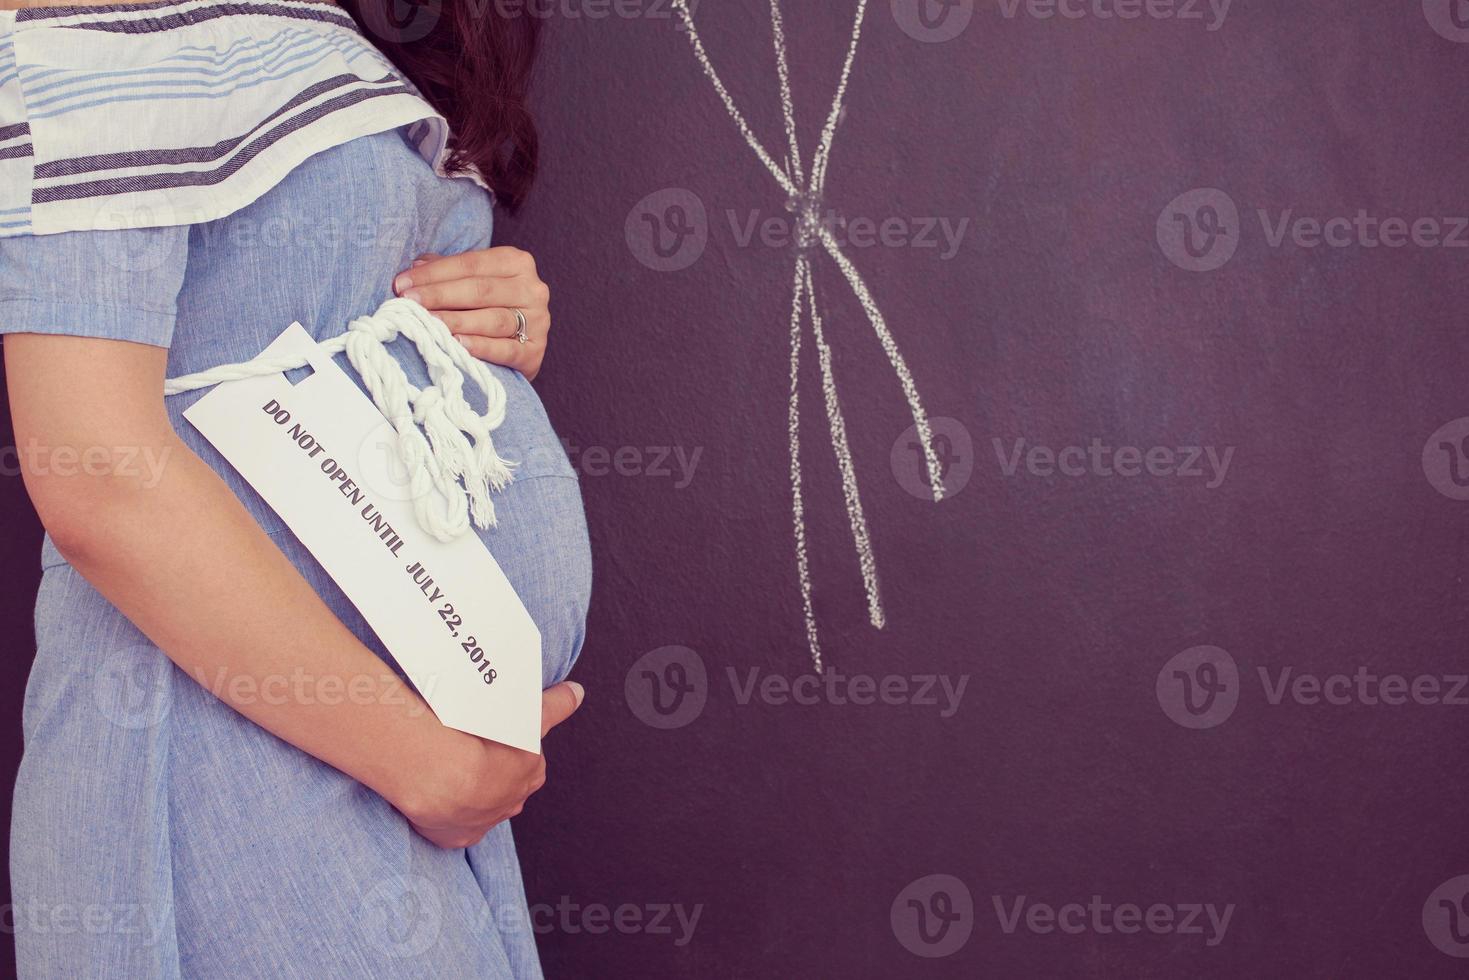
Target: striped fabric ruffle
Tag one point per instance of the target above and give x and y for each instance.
(155, 114)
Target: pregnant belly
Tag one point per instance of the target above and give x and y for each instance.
(540, 540)
(541, 543)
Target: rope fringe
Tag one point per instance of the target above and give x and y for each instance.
(442, 442)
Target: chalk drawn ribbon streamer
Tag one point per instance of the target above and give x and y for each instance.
(805, 194)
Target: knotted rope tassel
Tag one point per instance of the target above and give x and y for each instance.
(443, 443)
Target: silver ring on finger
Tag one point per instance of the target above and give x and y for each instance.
(520, 325)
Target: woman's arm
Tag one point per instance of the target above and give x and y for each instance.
(183, 559)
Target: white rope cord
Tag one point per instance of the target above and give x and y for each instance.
(443, 443)
(806, 201)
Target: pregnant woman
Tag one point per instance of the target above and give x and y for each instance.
(223, 775)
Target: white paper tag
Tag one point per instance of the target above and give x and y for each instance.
(316, 451)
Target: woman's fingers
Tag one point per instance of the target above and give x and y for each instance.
(470, 829)
(490, 336)
(482, 323)
(559, 703)
(525, 358)
(479, 292)
(503, 261)
(476, 294)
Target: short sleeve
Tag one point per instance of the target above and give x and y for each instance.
(112, 285)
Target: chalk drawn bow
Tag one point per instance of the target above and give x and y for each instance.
(804, 199)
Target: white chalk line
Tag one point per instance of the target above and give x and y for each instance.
(787, 105)
(798, 509)
(867, 562)
(805, 200)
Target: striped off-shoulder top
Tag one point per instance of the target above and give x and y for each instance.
(161, 114)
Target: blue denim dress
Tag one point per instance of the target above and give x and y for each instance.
(156, 832)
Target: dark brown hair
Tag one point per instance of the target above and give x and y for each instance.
(472, 61)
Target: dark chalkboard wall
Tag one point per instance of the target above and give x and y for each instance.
(1167, 686)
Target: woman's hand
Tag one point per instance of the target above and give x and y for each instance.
(456, 805)
(476, 294)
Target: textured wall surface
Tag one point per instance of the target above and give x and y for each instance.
(1172, 681)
